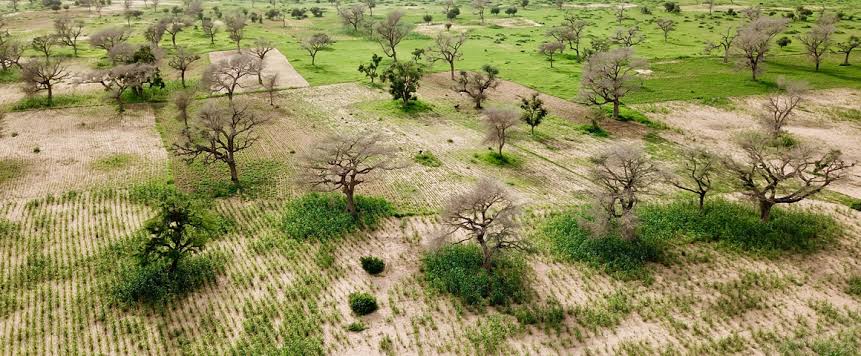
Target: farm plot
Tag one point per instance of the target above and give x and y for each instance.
(55, 151)
(275, 63)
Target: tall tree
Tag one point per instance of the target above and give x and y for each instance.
(403, 79)
(118, 79)
(818, 40)
(477, 84)
(447, 48)
(226, 74)
(260, 50)
(846, 48)
(628, 37)
(180, 229)
(40, 75)
(209, 29)
(725, 43)
(754, 42)
(155, 32)
(498, 126)
(609, 76)
(235, 25)
(780, 106)
(390, 32)
(622, 173)
(68, 30)
(44, 44)
(316, 43)
(533, 111)
(666, 26)
(353, 16)
(695, 173)
(108, 38)
(480, 6)
(182, 60)
(174, 25)
(550, 50)
(577, 29)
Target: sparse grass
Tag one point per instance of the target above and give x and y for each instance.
(506, 160)
(488, 336)
(718, 102)
(853, 286)
(427, 158)
(456, 269)
(592, 130)
(61, 100)
(11, 169)
(629, 114)
(606, 314)
(325, 216)
(114, 162)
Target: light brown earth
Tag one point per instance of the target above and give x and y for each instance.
(275, 62)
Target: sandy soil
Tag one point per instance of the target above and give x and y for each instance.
(433, 29)
(275, 62)
(514, 22)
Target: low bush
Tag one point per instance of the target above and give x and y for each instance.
(427, 158)
(550, 315)
(737, 225)
(363, 303)
(628, 114)
(152, 284)
(372, 265)
(356, 326)
(325, 216)
(457, 270)
(499, 160)
(854, 286)
(855, 205)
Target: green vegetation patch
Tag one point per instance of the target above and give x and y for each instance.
(394, 108)
(456, 269)
(505, 160)
(363, 303)
(427, 158)
(11, 169)
(629, 114)
(63, 100)
(325, 216)
(114, 162)
(738, 226)
(853, 286)
(153, 285)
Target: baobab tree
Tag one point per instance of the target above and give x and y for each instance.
(487, 214)
(220, 132)
(724, 43)
(477, 84)
(343, 162)
(609, 76)
(695, 172)
(447, 48)
(623, 173)
(182, 60)
(235, 25)
(533, 111)
(847, 47)
(260, 50)
(68, 30)
(779, 106)
(817, 41)
(550, 50)
(390, 32)
(226, 74)
(666, 26)
(754, 42)
(353, 16)
(39, 75)
(498, 125)
(773, 175)
(316, 43)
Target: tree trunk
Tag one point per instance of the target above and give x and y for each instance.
(173, 39)
(616, 109)
(50, 95)
(765, 210)
(351, 203)
(451, 67)
(313, 59)
(260, 77)
(75, 49)
(234, 175)
(532, 130)
(182, 77)
(174, 264)
(485, 255)
(846, 59)
(702, 200)
(817, 64)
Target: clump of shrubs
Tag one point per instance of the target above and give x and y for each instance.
(325, 216)
(373, 265)
(457, 269)
(362, 303)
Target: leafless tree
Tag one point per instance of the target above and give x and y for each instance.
(780, 105)
(559, 34)
(182, 100)
(109, 37)
(754, 41)
(122, 53)
(10, 54)
(447, 48)
(44, 44)
(353, 16)
(710, 4)
(40, 75)
(343, 162)
(226, 74)
(235, 25)
(316, 43)
(99, 5)
(847, 47)
(818, 40)
(724, 43)
(219, 133)
(577, 29)
(390, 32)
(68, 30)
(622, 173)
(550, 49)
(477, 84)
(488, 216)
(695, 172)
(209, 29)
(480, 6)
(628, 37)
(123, 77)
(610, 76)
(155, 32)
(260, 50)
(181, 61)
(783, 175)
(666, 26)
(270, 84)
(498, 126)
(620, 12)
(174, 25)
(752, 13)
(194, 8)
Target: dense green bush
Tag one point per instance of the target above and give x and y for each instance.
(372, 265)
(456, 269)
(325, 216)
(362, 303)
(854, 286)
(152, 284)
(856, 205)
(623, 258)
(737, 225)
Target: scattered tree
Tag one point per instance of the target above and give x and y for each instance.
(182, 100)
(622, 173)
(403, 79)
(178, 231)
(390, 32)
(498, 126)
(43, 75)
(550, 49)
(477, 84)
(68, 30)
(666, 26)
(725, 43)
(846, 48)
(123, 77)
(533, 111)
(43, 44)
(780, 105)
(260, 50)
(270, 84)
(316, 43)
(226, 74)
(370, 68)
(209, 29)
(480, 6)
(155, 32)
(609, 76)
(108, 38)
(235, 25)
(174, 25)
(695, 173)
(511, 11)
(817, 41)
(182, 60)
(754, 41)
(353, 16)
(447, 48)
(10, 54)
(628, 37)
(577, 28)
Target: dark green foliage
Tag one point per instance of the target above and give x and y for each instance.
(533, 111)
(550, 315)
(363, 303)
(854, 286)
(457, 270)
(593, 130)
(427, 158)
(370, 68)
(152, 283)
(500, 160)
(373, 265)
(325, 216)
(623, 258)
(737, 225)
(403, 79)
(181, 229)
(628, 114)
(856, 205)
(356, 326)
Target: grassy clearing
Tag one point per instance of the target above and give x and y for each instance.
(504, 160)
(114, 162)
(457, 270)
(324, 216)
(11, 169)
(427, 158)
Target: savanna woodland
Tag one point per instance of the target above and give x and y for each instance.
(421, 177)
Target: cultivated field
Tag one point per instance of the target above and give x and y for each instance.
(123, 231)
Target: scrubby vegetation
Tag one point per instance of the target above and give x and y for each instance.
(324, 216)
(363, 303)
(458, 270)
(372, 265)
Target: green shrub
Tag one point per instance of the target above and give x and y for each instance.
(625, 259)
(457, 270)
(427, 158)
(152, 284)
(372, 265)
(856, 205)
(363, 303)
(499, 160)
(737, 225)
(356, 326)
(325, 216)
(592, 130)
(628, 114)
(550, 315)
(854, 286)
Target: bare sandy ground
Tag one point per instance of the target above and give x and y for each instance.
(433, 29)
(275, 62)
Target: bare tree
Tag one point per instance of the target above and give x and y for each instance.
(780, 105)
(480, 6)
(343, 162)
(68, 30)
(724, 43)
(219, 133)
(622, 173)
(108, 38)
(754, 41)
(498, 126)
(609, 76)
(260, 50)
(43, 44)
(43, 75)
(783, 175)
(226, 74)
(550, 49)
(390, 32)
(209, 29)
(316, 43)
(666, 26)
(353, 16)
(488, 216)
(447, 48)
(182, 100)
(694, 174)
(710, 4)
(846, 48)
(123, 77)
(620, 12)
(174, 25)
(577, 29)
(270, 84)
(628, 37)
(99, 5)
(817, 41)
(10, 54)
(235, 25)
(559, 34)
(752, 13)
(477, 84)
(155, 32)
(181, 61)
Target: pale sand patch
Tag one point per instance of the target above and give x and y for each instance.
(275, 62)
(515, 22)
(433, 29)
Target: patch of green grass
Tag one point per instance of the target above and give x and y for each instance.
(394, 108)
(846, 114)
(457, 270)
(505, 160)
(427, 158)
(550, 316)
(591, 130)
(489, 335)
(629, 114)
(853, 286)
(41, 102)
(718, 102)
(255, 176)
(153, 285)
(11, 169)
(114, 162)
(10, 75)
(325, 216)
(737, 225)
(604, 315)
